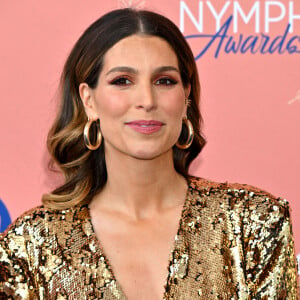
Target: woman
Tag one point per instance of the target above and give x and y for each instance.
(126, 133)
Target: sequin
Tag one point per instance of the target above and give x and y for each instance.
(234, 242)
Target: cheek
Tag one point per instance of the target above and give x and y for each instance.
(111, 106)
(174, 105)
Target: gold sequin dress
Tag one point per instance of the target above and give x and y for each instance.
(233, 242)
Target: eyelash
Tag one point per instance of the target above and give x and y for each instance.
(123, 81)
(166, 81)
(120, 81)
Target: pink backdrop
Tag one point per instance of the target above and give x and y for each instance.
(250, 102)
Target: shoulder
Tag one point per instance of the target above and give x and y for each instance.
(242, 197)
(39, 222)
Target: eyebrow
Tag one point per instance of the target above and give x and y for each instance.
(166, 68)
(134, 71)
(122, 69)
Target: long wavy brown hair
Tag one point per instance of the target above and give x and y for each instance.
(84, 170)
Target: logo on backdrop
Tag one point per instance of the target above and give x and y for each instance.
(261, 18)
(4, 217)
(296, 98)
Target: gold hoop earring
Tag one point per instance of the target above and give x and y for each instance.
(190, 138)
(86, 135)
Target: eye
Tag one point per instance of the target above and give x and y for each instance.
(121, 81)
(165, 81)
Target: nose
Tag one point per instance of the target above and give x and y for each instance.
(146, 98)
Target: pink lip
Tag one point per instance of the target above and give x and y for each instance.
(145, 126)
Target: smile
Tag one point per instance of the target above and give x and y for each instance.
(145, 126)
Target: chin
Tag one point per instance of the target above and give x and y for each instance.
(150, 155)
(142, 151)
(147, 156)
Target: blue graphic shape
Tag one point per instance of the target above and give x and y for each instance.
(5, 219)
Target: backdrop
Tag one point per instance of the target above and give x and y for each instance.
(248, 57)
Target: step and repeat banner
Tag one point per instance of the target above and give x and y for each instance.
(248, 56)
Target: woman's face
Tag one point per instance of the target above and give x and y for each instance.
(139, 99)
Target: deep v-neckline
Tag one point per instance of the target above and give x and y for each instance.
(171, 257)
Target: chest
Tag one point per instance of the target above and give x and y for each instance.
(139, 253)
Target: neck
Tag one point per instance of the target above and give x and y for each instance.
(141, 188)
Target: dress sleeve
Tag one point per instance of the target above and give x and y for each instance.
(270, 264)
(16, 280)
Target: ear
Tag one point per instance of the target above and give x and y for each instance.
(187, 91)
(87, 98)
